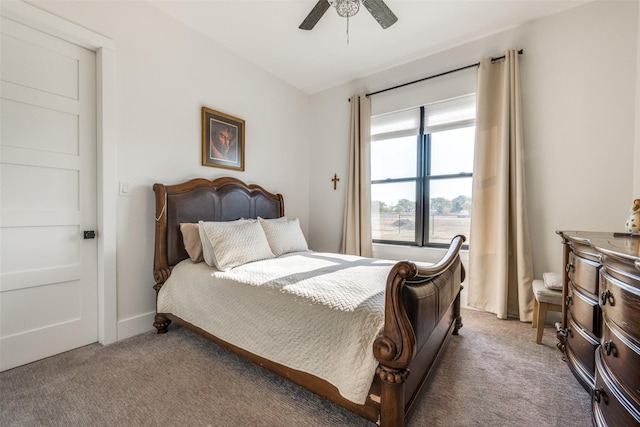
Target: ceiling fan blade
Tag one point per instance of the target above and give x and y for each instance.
(314, 16)
(381, 12)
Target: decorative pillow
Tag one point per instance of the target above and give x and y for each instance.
(280, 219)
(207, 248)
(284, 235)
(229, 244)
(552, 281)
(191, 238)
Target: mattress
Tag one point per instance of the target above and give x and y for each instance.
(314, 312)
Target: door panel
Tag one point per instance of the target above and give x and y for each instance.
(48, 271)
(41, 191)
(17, 119)
(48, 304)
(20, 254)
(39, 61)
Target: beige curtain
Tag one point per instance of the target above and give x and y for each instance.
(500, 265)
(356, 229)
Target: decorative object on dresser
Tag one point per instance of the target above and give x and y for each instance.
(633, 223)
(414, 308)
(600, 330)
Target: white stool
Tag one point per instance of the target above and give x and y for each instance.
(546, 300)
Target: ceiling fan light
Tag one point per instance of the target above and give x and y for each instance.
(346, 8)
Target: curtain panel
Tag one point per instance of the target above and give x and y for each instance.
(356, 229)
(500, 261)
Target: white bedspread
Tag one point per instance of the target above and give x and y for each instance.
(314, 312)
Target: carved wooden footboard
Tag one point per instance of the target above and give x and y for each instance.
(422, 310)
(422, 307)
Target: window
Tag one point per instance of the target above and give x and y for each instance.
(421, 173)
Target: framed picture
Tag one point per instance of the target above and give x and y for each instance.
(222, 140)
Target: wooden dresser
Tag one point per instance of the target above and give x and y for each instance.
(600, 331)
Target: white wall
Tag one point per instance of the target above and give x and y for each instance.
(165, 73)
(636, 168)
(579, 76)
(579, 132)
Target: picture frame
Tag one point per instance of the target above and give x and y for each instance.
(222, 140)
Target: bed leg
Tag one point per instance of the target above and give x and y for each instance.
(161, 323)
(456, 313)
(391, 396)
(458, 325)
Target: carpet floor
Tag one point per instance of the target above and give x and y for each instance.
(492, 374)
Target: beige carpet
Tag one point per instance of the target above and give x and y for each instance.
(492, 374)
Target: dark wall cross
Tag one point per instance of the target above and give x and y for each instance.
(335, 180)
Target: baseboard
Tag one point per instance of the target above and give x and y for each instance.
(135, 325)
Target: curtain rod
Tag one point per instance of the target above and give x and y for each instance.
(520, 52)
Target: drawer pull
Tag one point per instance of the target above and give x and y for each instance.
(567, 300)
(599, 394)
(610, 347)
(568, 267)
(606, 296)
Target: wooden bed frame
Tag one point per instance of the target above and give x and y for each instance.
(422, 303)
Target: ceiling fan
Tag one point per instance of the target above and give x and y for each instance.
(348, 8)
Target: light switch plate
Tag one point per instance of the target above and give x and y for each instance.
(124, 188)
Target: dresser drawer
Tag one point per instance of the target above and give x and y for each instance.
(621, 354)
(584, 274)
(612, 406)
(600, 332)
(584, 310)
(581, 349)
(621, 303)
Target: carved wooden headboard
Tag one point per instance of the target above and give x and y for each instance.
(223, 199)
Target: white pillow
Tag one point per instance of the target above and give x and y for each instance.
(552, 281)
(229, 244)
(279, 219)
(207, 248)
(284, 235)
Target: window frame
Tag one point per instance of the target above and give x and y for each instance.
(422, 182)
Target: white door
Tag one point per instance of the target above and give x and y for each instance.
(48, 270)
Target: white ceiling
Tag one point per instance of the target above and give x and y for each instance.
(266, 33)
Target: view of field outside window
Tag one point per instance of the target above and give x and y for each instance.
(395, 174)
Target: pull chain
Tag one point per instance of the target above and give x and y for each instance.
(347, 28)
